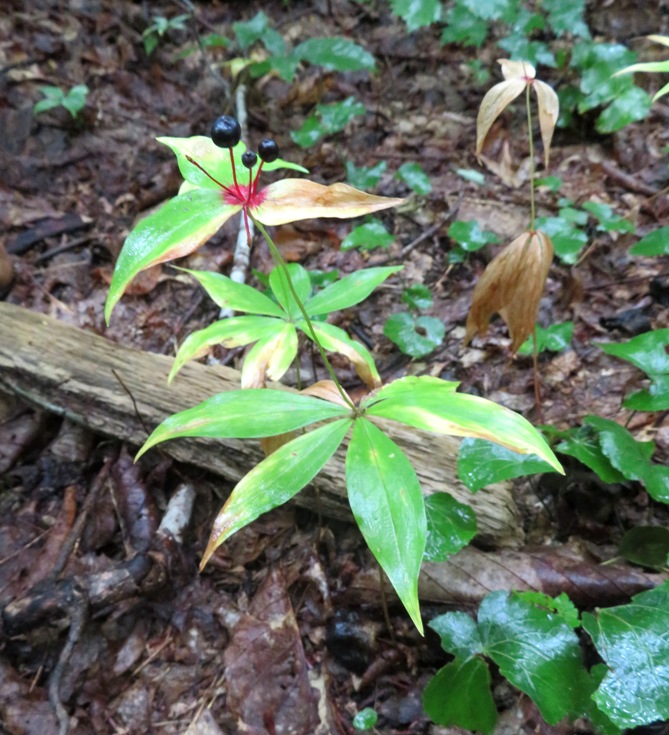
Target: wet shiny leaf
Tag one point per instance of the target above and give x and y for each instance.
(451, 525)
(415, 336)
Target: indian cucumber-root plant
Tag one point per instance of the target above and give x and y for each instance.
(221, 179)
(513, 282)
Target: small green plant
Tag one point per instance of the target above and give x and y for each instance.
(383, 489)
(327, 120)
(468, 238)
(416, 335)
(414, 176)
(651, 66)
(159, 27)
(555, 338)
(532, 639)
(74, 100)
(365, 720)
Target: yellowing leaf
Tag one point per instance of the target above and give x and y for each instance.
(327, 390)
(517, 69)
(291, 200)
(270, 357)
(512, 285)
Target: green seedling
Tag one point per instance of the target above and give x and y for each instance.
(468, 238)
(383, 488)
(654, 243)
(159, 27)
(365, 720)
(555, 338)
(368, 236)
(416, 335)
(327, 120)
(364, 177)
(74, 100)
(414, 176)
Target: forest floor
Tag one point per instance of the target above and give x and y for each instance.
(254, 644)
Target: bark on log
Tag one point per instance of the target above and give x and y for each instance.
(70, 372)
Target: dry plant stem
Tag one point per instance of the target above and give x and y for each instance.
(281, 263)
(530, 137)
(535, 372)
(384, 603)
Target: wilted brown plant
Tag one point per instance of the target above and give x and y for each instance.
(512, 285)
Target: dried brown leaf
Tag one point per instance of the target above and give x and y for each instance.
(327, 390)
(512, 285)
(549, 109)
(494, 102)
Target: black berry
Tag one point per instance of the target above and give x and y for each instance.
(249, 159)
(226, 132)
(268, 150)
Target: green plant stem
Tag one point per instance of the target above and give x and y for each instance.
(530, 136)
(281, 263)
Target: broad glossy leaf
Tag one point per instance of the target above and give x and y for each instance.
(655, 398)
(647, 351)
(608, 220)
(234, 332)
(459, 634)
(632, 639)
(348, 291)
(366, 719)
(416, 336)
(555, 338)
(536, 651)
(177, 229)
(405, 388)
(364, 177)
(245, 414)
(290, 200)
(334, 339)
(228, 294)
(276, 480)
(417, 296)
(426, 406)
(270, 357)
(654, 243)
(459, 694)
(335, 54)
(280, 286)
(470, 236)
(451, 525)
(369, 235)
(627, 107)
(568, 240)
(482, 463)
(387, 504)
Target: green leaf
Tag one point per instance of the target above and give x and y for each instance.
(655, 398)
(277, 479)
(233, 332)
(228, 294)
(654, 243)
(336, 116)
(470, 236)
(464, 27)
(417, 13)
(415, 336)
(567, 17)
(561, 605)
(459, 694)
(583, 445)
(75, 100)
(310, 132)
(459, 634)
(280, 288)
(450, 526)
(632, 640)
(536, 651)
(364, 177)
(249, 31)
(647, 546)
(433, 405)
(647, 351)
(482, 463)
(372, 234)
(629, 106)
(387, 504)
(334, 339)
(568, 240)
(414, 176)
(335, 54)
(417, 296)
(365, 719)
(270, 357)
(245, 414)
(555, 338)
(493, 9)
(609, 221)
(599, 61)
(348, 291)
(630, 457)
(176, 229)
(476, 177)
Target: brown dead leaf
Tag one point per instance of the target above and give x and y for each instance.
(512, 285)
(327, 390)
(267, 679)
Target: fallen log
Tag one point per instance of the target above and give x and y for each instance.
(80, 375)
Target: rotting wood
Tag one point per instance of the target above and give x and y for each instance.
(70, 372)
